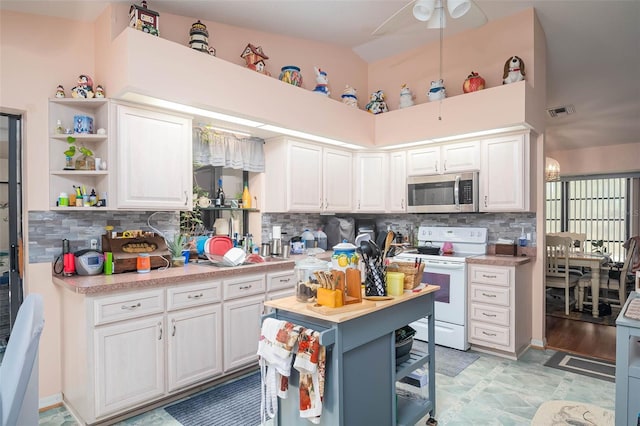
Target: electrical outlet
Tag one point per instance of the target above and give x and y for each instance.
(93, 244)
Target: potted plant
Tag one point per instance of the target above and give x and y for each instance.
(86, 162)
(598, 246)
(176, 246)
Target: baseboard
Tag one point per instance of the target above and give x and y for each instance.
(50, 402)
(538, 344)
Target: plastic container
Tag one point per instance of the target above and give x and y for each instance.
(308, 239)
(143, 263)
(321, 237)
(306, 282)
(395, 283)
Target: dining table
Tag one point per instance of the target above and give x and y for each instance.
(593, 261)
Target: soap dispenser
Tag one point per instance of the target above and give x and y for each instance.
(522, 240)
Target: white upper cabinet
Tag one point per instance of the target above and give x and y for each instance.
(305, 177)
(461, 157)
(154, 164)
(371, 182)
(457, 157)
(397, 196)
(337, 181)
(504, 174)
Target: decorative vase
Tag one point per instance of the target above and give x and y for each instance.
(85, 162)
(291, 74)
(68, 164)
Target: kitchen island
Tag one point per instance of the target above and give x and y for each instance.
(361, 371)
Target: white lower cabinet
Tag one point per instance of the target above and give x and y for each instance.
(242, 331)
(129, 362)
(194, 345)
(499, 309)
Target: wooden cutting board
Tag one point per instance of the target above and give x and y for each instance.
(325, 310)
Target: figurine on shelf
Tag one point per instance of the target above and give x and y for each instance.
(199, 38)
(322, 82)
(99, 91)
(437, 90)
(513, 70)
(144, 19)
(376, 104)
(84, 89)
(349, 96)
(254, 58)
(60, 91)
(473, 83)
(406, 97)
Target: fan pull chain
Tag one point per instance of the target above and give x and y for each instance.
(441, 43)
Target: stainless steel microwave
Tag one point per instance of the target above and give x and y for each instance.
(448, 193)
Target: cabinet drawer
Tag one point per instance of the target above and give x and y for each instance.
(280, 280)
(244, 286)
(193, 295)
(490, 295)
(490, 275)
(487, 313)
(126, 306)
(492, 334)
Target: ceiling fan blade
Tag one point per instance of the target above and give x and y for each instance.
(395, 21)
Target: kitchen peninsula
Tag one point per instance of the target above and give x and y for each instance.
(361, 372)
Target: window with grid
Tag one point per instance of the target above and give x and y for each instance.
(595, 206)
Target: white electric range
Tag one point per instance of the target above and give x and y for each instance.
(449, 271)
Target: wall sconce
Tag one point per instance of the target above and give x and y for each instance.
(551, 169)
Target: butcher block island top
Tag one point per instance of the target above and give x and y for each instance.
(290, 304)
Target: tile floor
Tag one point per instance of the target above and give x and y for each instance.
(491, 391)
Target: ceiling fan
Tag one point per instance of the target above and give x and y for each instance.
(433, 13)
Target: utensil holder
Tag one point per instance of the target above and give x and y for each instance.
(375, 283)
(412, 273)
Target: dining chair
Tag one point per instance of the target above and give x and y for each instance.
(19, 367)
(613, 277)
(557, 267)
(577, 244)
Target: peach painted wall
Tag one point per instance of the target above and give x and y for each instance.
(601, 159)
(483, 50)
(32, 63)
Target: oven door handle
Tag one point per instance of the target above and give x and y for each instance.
(436, 265)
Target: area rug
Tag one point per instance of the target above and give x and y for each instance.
(584, 365)
(572, 413)
(230, 404)
(449, 362)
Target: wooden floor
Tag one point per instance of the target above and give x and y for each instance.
(580, 337)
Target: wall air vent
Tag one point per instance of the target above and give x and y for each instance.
(561, 111)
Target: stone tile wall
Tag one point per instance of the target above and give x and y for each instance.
(47, 229)
(500, 225)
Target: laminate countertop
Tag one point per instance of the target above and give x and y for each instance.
(489, 259)
(193, 271)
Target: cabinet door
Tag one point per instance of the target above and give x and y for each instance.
(305, 177)
(129, 362)
(397, 196)
(504, 183)
(337, 180)
(461, 157)
(194, 346)
(371, 182)
(423, 161)
(153, 160)
(241, 331)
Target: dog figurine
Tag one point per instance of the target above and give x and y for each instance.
(513, 70)
(437, 91)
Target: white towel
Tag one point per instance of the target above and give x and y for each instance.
(275, 349)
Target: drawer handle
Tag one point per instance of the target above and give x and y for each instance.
(131, 307)
(488, 295)
(285, 281)
(195, 296)
(489, 334)
(245, 287)
(160, 336)
(489, 315)
(489, 276)
(173, 322)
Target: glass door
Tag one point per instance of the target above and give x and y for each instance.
(11, 293)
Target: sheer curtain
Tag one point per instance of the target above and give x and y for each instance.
(225, 149)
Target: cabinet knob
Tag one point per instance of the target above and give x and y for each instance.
(160, 335)
(485, 201)
(436, 166)
(444, 165)
(186, 198)
(173, 322)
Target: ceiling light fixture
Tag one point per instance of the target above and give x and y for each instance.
(432, 11)
(551, 169)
